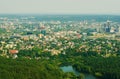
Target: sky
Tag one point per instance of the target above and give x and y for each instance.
(60, 6)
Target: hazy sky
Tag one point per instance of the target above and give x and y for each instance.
(60, 6)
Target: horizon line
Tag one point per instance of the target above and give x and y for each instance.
(59, 14)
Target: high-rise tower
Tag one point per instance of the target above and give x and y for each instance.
(107, 26)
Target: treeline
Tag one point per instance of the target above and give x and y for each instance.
(33, 69)
(103, 68)
(28, 69)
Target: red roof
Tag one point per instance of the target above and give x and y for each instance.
(43, 27)
(13, 51)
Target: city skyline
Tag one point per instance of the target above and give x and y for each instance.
(59, 7)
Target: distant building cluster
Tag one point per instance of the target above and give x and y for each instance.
(54, 36)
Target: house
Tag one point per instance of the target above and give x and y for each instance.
(13, 53)
(55, 52)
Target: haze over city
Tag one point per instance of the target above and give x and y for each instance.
(59, 39)
(59, 7)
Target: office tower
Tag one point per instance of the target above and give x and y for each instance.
(107, 26)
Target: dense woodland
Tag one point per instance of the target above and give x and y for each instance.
(28, 69)
(102, 68)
